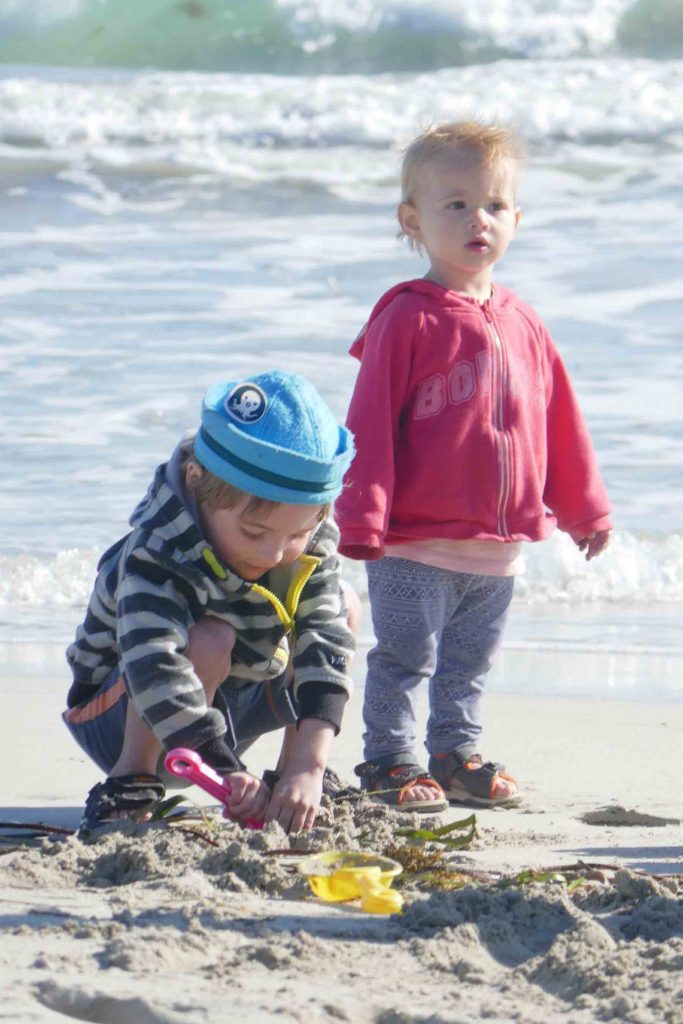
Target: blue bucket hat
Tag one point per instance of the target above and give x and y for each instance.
(273, 436)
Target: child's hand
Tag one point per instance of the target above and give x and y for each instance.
(249, 797)
(295, 800)
(594, 543)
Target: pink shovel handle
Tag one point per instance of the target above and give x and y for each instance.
(189, 765)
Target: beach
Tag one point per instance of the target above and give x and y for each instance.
(157, 927)
(200, 191)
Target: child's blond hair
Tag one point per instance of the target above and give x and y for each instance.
(209, 489)
(490, 142)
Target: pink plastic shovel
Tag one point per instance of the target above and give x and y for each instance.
(189, 765)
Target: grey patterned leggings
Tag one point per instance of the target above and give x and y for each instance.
(437, 625)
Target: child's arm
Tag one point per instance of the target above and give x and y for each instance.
(364, 506)
(296, 796)
(574, 489)
(323, 647)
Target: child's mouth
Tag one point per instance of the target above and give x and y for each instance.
(253, 572)
(477, 245)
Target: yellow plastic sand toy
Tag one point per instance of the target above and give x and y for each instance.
(336, 876)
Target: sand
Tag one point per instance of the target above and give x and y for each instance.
(152, 925)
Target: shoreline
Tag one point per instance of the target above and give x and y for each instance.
(567, 667)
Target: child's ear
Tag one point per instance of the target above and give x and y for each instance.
(409, 220)
(518, 217)
(193, 474)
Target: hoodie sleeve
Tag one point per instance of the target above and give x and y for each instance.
(574, 491)
(153, 618)
(324, 643)
(363, 508)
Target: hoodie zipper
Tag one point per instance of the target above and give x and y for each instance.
(499, 386)
(286, 611)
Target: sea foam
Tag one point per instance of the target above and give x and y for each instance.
(330, 36)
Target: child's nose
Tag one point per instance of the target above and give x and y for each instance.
(271, 551)
(479, 216)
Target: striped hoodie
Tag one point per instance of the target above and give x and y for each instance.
(162, 577)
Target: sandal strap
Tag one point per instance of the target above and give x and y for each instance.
(475, 763)
(477, 777)
(399, 776)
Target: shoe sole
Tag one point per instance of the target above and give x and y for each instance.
(457, 796)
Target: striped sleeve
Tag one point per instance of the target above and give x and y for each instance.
(153, 619)
(324, 643)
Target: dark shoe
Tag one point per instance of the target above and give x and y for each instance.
(388, 779)
(336, 789)
(333, 786)
(134, 795)
(466, 779)
(271, 778)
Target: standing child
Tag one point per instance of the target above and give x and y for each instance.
(470, 440)
(221, 615)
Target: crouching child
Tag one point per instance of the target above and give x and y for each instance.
(221, 615)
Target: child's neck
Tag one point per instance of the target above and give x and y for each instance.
(478, 286)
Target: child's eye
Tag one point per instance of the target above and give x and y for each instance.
(457, 204)
(251, 535)
(499, 206)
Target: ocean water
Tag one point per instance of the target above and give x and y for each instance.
(202, 189)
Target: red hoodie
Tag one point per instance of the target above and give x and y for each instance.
(466, 427)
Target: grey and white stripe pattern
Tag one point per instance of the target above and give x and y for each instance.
(156, 582)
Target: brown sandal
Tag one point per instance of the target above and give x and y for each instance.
(466, 779)
(389, 778)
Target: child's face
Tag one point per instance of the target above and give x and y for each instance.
(252, 542)
(464, 215)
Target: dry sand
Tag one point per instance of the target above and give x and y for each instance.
(159, 927)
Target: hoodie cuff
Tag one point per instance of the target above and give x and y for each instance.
(324, 701)
(360, 543)
(360, 553)
(218, 755)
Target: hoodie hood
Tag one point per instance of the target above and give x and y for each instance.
(170, 513)
(166, 497)
(433, 293)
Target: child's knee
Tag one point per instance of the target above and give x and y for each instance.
(210, 650)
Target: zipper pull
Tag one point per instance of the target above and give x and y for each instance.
(486, 311)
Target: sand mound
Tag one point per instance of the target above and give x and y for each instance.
(163, 923)
(615, 814)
